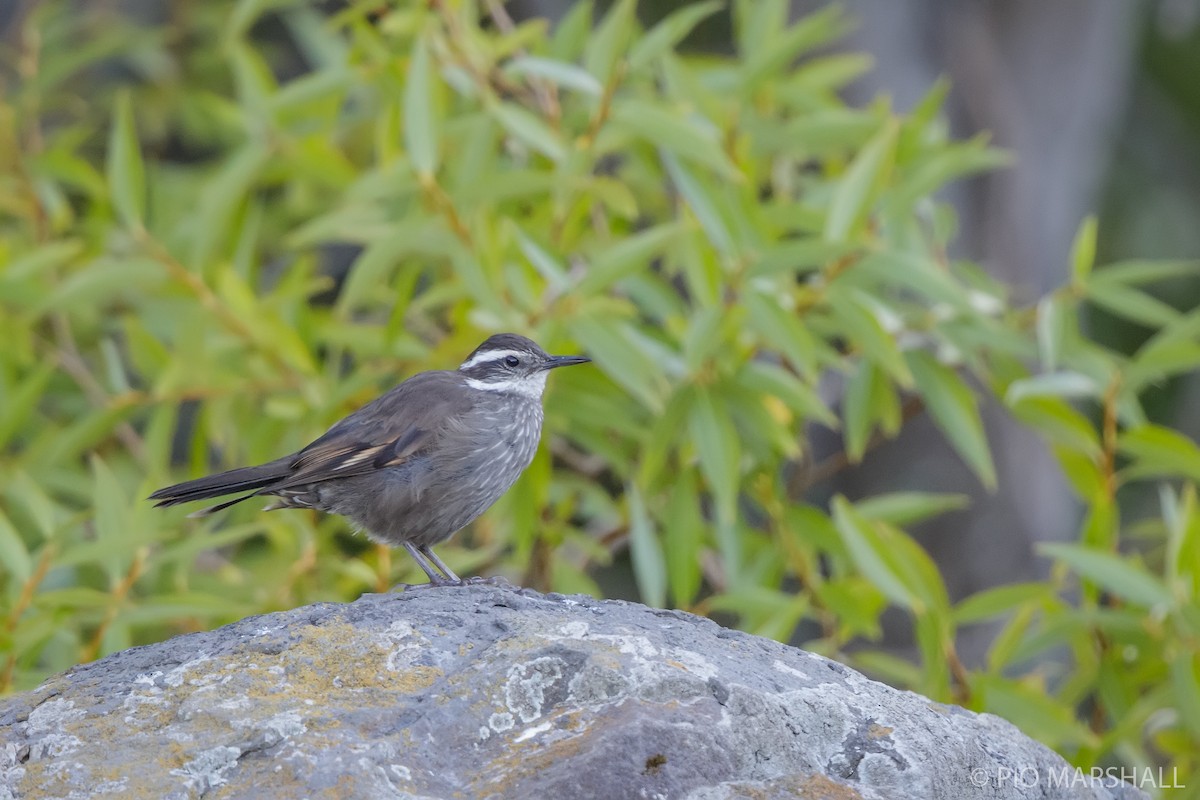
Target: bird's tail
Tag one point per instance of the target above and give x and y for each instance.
(243, 479)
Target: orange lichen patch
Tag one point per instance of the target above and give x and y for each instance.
(518, 762)
(300, 681)
(822, 787)
(801, 787)
(877, 731)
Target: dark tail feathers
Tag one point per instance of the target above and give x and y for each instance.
(243, 479)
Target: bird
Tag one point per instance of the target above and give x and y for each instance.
(419, 463)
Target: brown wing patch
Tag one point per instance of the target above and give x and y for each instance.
(327, 459)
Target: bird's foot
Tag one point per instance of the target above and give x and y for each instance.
(498, 581)
(412, 587)
(495, 580)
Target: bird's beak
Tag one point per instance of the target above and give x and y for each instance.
(564, 361)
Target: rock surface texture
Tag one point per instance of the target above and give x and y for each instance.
(486, 692)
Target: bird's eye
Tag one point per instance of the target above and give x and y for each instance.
(512, 361)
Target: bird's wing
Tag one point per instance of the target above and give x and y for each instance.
(384, 433)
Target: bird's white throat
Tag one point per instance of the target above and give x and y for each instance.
(529, 386)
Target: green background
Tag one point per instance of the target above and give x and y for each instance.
(226, 225)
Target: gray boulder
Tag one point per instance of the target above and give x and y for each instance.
(488, 692)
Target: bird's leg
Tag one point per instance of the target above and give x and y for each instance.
(495, 580)
(427, 551)
(435, 579)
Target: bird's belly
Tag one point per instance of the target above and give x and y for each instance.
(428, 499)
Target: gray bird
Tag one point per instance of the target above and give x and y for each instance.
(419, 463)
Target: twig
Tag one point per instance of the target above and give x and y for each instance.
(73, 363)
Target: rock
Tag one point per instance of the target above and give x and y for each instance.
(486, 692)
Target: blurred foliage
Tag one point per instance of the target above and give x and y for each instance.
(224, 231)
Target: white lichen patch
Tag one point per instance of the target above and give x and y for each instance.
(629, 645)
(693, 662)
(277, 727)
(404, 645)
(529, 733)
(788, 669)
(51, 715)
(525, 689)
(176, 676)
(501, 721)
(207, 770)
(575, 629)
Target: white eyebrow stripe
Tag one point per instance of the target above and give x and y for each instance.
(488, 355)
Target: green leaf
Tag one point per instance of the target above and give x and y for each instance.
(572, 32)
(764, 611)
(1138, 272)
(799, 255)
(1032, 710)
(999, 600)
(955, 410)
(1160, 359)
(874, 549)
(685, 533)
(15, 561)
(1185, 686)
(857, 314)
(611, 347)
(701, 202)
(906, 508)
(782, 330)
(670, 31)
(649, 567)
(1055, 384)
(125, 172)
(829, 73)
(1083, 251)
(221, 197)
(610, 39)
(18, 407)
(1123, 577)
(693, 139)
(1129, 303)
(1054, 325)
(1061, 424)
(112, 519)
(768, 380)
(665, 432)
(764, 61)
(943, 166)
(560, 73)
(626, 256)
(716, 442)
(547, 265)
(420, 116)
(857, 188)
(530, 129)
(869, 401)
(1160, 451)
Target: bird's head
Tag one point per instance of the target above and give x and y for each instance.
(510, 363)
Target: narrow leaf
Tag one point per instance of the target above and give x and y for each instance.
(1083, 251)
(649, 566)
(956, 411)
(125, 171)
(716, 442)
(854, 193)
(420, 117)
(1121, 576)
(670, 31)
(530, 129)
(701, 203)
